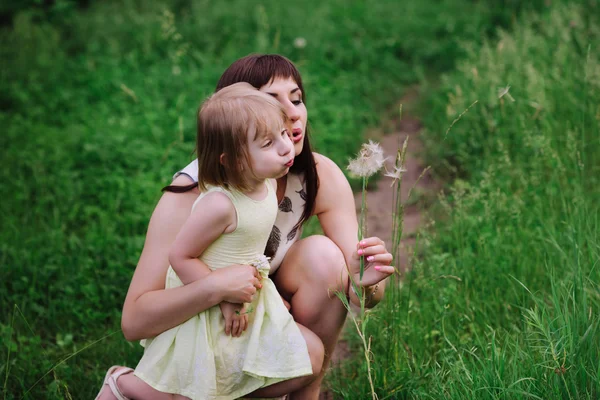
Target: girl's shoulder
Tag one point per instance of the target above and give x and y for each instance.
(216, 196)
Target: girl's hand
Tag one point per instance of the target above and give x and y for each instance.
(238, 283)
(377, 262)
(236, 319)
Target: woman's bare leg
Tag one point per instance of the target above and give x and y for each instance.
(315, 351)
(310, 274)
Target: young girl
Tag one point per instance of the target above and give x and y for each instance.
(227, 352)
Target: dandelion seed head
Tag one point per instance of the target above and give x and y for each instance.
(396, 174)
(370, 160)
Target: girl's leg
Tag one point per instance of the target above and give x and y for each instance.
(134, 388)
(311, 272)
(315, 351)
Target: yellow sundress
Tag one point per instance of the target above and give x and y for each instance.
(196, 359)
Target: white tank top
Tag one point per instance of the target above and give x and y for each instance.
(291, 207)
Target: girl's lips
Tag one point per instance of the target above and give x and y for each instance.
(289, 163)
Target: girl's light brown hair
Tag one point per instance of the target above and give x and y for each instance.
(226, 121)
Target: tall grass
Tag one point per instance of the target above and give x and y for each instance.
(504, 298)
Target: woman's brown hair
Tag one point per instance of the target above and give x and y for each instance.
(258, 70)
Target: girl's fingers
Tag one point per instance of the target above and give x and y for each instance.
(235, 327)
(227, 327)
(243, 324)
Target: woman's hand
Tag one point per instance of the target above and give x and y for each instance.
(377, 269)
(377, 262)
(238, 283)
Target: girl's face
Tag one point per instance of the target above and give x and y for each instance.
(287, 92)
(271, 154)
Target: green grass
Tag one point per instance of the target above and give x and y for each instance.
(504, 298)
(97, 107)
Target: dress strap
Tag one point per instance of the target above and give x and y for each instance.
(212, 189)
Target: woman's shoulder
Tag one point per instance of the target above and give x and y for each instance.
(327, 169)
(333, 185)
(320, 158)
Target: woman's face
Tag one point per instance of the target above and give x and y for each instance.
(287, 92)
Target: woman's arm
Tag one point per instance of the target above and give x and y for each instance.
(149, 309)
(336, 211)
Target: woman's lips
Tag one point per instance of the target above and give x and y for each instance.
(296, 135)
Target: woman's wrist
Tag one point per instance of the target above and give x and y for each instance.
(371, 294)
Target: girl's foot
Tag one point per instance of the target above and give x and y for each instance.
(109, 389)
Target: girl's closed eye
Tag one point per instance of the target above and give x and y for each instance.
(267, 144)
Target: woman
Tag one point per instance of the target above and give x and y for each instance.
(307, 272)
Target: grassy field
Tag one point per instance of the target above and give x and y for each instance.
(97, 106)
(504, 300)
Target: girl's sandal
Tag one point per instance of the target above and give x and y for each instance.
(110, 379)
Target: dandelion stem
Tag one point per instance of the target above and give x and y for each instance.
(363, 222)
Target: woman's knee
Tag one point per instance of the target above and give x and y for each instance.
(312, 265)
(323, 261)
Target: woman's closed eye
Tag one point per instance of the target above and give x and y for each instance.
(296, 102)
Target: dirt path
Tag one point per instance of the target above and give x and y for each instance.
(380, 200)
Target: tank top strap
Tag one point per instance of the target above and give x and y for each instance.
(213, 189)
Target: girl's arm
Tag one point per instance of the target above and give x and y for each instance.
(149, 309)
(213, 216)
(336, 211)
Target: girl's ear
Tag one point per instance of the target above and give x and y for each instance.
(223, 159)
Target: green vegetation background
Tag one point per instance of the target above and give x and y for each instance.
(97, 106)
